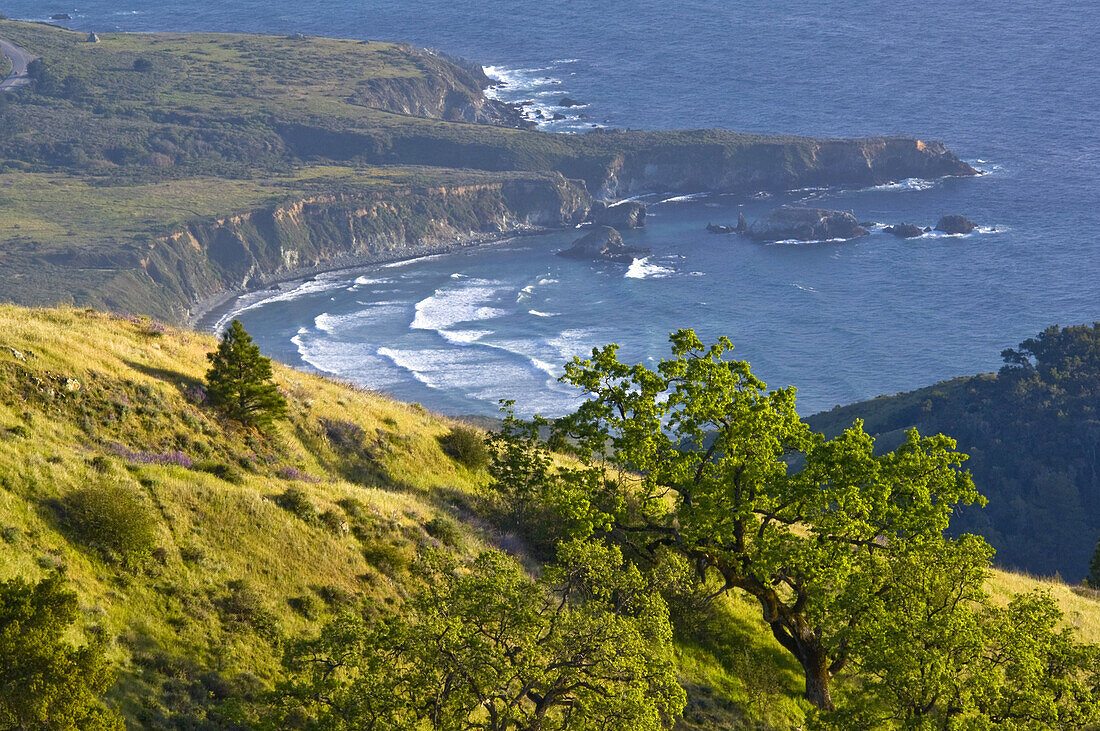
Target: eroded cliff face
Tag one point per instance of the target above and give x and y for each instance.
(446, 88)
(184, 270)
(783, 164)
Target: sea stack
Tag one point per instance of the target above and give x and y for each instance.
(905, 230)
(956, 225)
(791, 223)
(627, 214)
(603, 243)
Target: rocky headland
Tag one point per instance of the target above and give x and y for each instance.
(343, 184)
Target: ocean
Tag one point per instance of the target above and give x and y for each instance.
(1011, 87)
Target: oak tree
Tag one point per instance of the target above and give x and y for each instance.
(711, 464)
(589, 646)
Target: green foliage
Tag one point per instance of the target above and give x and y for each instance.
(445, 530)
(238, 380)
(714, 449)
(1033, 433)
(946, 659)
(465, 445)
(244, 604)
(45, 682)
(547, 502)
(1093, 579)
(588, 647)
(114, 519)
(296, 501)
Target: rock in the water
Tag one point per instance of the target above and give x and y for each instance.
(603, 243)
(567, 102)
(717, 228)
(927, 229)
(905, 230)
(956, 225)
(628, 214)
(742, 224)
(805, 224)
(558, 115)
(61, 16)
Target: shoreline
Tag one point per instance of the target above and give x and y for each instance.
(205, 314)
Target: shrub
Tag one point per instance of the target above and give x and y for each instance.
(445, 530)
(296, 501)
(244, 604)
(113, 519)
(334, 596)
(466, 446)
(306, 605)
(334, 522)
(221, 470)
(343, 434)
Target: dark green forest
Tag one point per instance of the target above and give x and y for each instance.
(1032, 431)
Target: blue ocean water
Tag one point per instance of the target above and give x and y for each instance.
(1013, 87)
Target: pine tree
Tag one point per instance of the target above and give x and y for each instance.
(1093, 579)
(238, 381)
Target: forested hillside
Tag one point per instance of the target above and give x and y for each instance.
(1032, 431)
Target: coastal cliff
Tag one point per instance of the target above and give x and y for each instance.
(446, 88)
(725, 162)
(205, 262)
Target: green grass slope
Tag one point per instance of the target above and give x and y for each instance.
(89, 399)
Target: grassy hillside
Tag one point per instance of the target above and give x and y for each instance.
(260, 539)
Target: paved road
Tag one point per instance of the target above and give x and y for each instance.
(19, 60)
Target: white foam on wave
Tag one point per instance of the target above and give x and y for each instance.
(302, 289)
(406, 262)
(575, 343)
(980, 230)
(907, 184)
(464, 337)
(685, 198)
(796, 285)
(365, 280)
(644, 269)
(795, 242)
(536, 313)
(468, 302)
(540, 91)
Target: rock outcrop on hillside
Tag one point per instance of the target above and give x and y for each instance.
(603, 243)
(625, 214)
(447, 88)
(791, 223)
